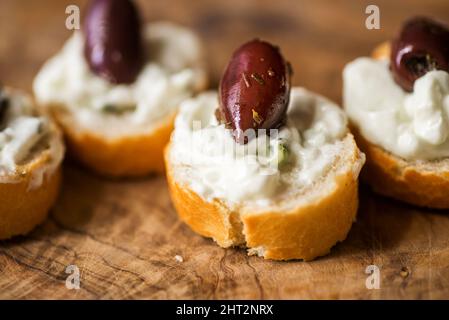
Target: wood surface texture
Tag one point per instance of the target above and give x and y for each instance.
(124, 235)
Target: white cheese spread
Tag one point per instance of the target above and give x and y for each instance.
(172, 73)
(24, 133)
(412, 125)
(301, 152)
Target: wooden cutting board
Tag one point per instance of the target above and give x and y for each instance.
(124, 236)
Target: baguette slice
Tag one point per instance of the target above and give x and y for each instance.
(303, 227)
(422, 183)
(27, 194)
(112, 144)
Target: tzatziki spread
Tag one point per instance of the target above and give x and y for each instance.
(172, 73)
(305, 149)
(24, 133)
(413, 126)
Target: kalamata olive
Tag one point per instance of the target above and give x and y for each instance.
(4, 104)
(254, 89)
(422, 46)
(113, 41)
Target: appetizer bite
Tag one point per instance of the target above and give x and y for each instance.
(115, 87)
(262, 165)
(398, 104)
(31, 152)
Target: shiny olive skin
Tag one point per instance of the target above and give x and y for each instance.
(254, 89)
(422, 46)
(113, 41)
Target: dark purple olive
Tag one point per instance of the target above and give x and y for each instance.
(113, 40)
(4, 104)
(422, 46)
(254, 89)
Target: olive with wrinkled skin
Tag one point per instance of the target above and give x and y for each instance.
(254, 89)
(113, 41)
(422, 46)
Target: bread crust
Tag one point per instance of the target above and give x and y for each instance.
(125, 156)
(305, 232)
(392, 176)
(410, 182)
(22, 208)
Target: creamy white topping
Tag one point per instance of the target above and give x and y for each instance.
(219, 168)
(23, 134)
(172, 73)
(413, 125)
